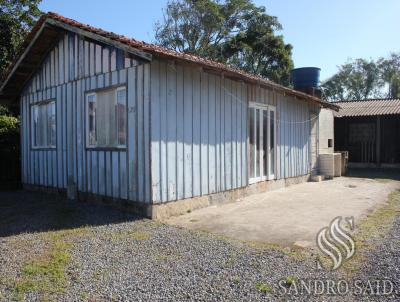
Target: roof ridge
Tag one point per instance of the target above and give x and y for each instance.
(162, 50)
(169, 53)
(146, 46)
(367, 100)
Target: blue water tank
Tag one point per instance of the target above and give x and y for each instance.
(305, 77)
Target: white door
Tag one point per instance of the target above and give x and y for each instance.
(262, 142)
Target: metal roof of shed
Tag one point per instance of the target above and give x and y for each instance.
(369, 107)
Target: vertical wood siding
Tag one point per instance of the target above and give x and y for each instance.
(73, 67)
(198, 132)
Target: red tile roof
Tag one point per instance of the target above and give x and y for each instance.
(165, 52)
(368, 107)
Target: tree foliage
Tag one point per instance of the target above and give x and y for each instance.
(362, 79)
(9, 126)
(235, 32)
(9, 130)
(16, 19)
(390, 74)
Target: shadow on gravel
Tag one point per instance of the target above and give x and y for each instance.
(376, 173)
(22, 212)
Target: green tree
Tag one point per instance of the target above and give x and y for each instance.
(389, 69)
(16, 19)
(235, 32)
(358, 79)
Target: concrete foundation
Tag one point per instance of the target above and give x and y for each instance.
(183, 206)
(179, 207)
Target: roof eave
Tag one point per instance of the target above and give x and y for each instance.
(133, 51)
(42, 24)
(145, 52)
(21, 57)
(256, 80)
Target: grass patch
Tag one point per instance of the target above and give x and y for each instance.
(290, 280)
(375, 226)
(297, 254)
(84, 296)
(231, 261)
(383, 180)
(46, 275)
(167, 258)
(263, 287)
(236, 279)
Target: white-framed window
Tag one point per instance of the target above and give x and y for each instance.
(43, 117)
(106, 118)
(262, 142)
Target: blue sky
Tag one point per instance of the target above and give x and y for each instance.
(323, 33)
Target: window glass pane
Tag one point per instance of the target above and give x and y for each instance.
(106, 123)
(265, 142)
(42, 125)
(121, 116)
(35, 120)
(258, 143)
(51, 124)
(92, 119)
(272, 142)
(107, 118)
(252, 143)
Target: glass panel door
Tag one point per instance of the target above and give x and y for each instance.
(252, 140)
(272, 147)
(257, 126)
(265, 144)
(255, 143)
(262, 142)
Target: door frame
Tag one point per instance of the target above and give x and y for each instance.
(264, 175)
(314, 118)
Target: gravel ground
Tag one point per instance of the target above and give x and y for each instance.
(115, 256)
(383, 262)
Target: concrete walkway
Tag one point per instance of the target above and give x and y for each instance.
(292, 215)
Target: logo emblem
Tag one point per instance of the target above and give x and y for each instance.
(335, 242)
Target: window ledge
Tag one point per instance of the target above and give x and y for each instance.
(43, 148)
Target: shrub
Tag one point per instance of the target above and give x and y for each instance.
(9, 150)
(9, 127)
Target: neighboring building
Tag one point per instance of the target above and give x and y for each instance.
(163, 132)
(370, 131)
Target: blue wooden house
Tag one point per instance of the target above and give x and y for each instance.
(105, 117)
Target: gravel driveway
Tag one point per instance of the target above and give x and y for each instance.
(55, 250)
